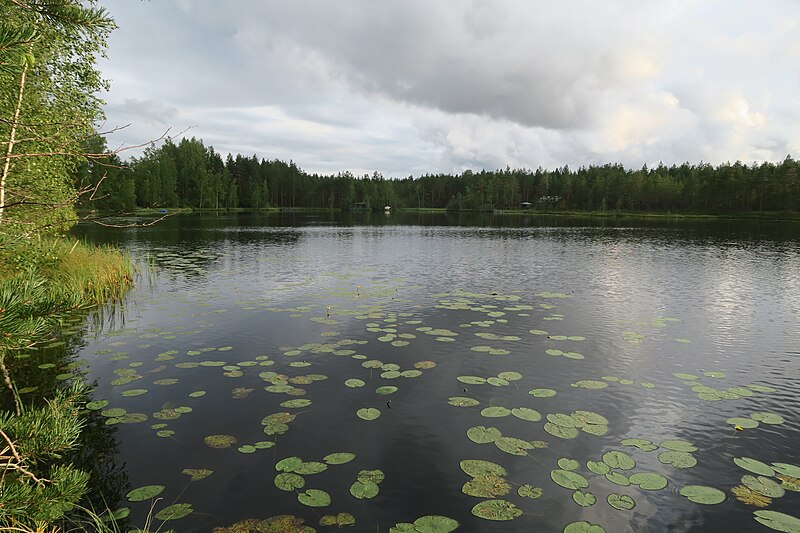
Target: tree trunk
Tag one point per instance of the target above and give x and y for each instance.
(11, 138)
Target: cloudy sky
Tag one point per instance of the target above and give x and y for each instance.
(413, 86)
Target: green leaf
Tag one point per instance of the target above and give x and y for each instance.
(621, 502)
(757, 467)
(478, 467)
(525, 413)
(197, 473)
(144, 493)
(339, 458)
(289, 482)
(786, 469)
(642, 444)
(310, 467)
(435, 524)
(598, 467)
(461, 401)
(175, 511)
(289, 464)
(483, 435)
(584, 499)
(354, 383)
(745, 423)
(768, 418)
(621, 460)
(500, 510)
(220, 441)
(677, 459)
(386, 389)
(362, 490)
(678, 445)
(763, 485)
(368, 413)
(618, 479)
(649, 480)
(569, 480)
(314, 498)
(566, 463)
(495, 412)
(486, 486)
(560, 431)
(529, 491)
(542, 393)
(702, 494)
(778, 521)
(583, 527)
(513, 445)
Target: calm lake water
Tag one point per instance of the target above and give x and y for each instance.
(238, 314)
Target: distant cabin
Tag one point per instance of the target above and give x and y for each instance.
(525, 205)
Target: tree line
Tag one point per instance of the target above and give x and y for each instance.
(189, 174)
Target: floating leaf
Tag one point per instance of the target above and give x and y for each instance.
(134, 392)
(677, 459)
(435, 524)
(768, 418)
(362, 490)
(583, 527)
(763, 485)
(569, 480)
(560, 431)
(340, 520)
(525, 413)
(648, 481)
(542, 393)
(175, 511)
(678, 445)
(495, 412)
(386, 389)
(618, 479)
(787, 469)
(744, 423)
(510, 376)
(220, 441)
(461, 401)
(354, 383)
(113, 412)
(702, 494)
(314, 498)
(486, 486)
(512, 445)
(339, 458)
(757, 467)
(688, 377)
(368, 413)
(296, 404)
(483, 435)
(621, 460)
(471, 380)
(289, 464)
(247, 448)
(529, 491)
(584, 499)
(478, 467)
(642, 444)
(566, 463)
(621, 502)
(598, 467)
(778, 521)
(144, 493)
(496, 510)
(311, 467)
(590, 384)
(197, 473)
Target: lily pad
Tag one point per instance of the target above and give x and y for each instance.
(340, 520)
(495, 412)
(144, 493)
(569, 480)
(289, 464)
(314, 498)
(478, 467)
(96, 405)
(486, 486)
(618, 479)
(289, 482)
(678, 445)
(220, 441)
(786, 469)
(471, 380)
(768, 418)
(368, 413)
(763, 485)
(354, 383)
(778, 521)
(462, 401)
(642, 444)
(525, 413)
(310, 467)
(247, 448)
(621, 502)
(339, 458)
(744, 423)
(175, 511)
(598, 467)
(617, 459)
(590, 384)
(649, 480)
(363, 490)
(542, 393)
(752, 465)
(435, 524)
(560, 431)
(702, 494)
(483, 435)
(513, 445)
(134, 392)
(386, 389)
(583, 527)
(529, 491)
(677, 459)
(197, 473)
(566, 463)
(500, 510)
(584, 499)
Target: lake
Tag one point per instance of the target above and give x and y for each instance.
(514, 373)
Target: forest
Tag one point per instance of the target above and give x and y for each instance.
(190, 174)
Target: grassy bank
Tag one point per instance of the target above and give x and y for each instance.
(43, 280)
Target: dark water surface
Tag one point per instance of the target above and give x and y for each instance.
(276, 299)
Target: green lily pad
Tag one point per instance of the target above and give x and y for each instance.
(310, 467)
(220, 441)
(368, 413)
(678, 445)
(495, 412)
(584, 499)
(621, 502)
(677, 459)
(386, 389)
(486, 486)
(621, 460)
(296, 404)
(500, 510)
(529, 491)
(752, 465)
(354, 383)
(289, 482)
(471, 380)
(96, 405)
(566, 463)
(562, 420)
(113, 412)
(197, 393)
(247, 448)
(642, 444)
(483, 435)
(702, 494)
(618, 479)
(340, 520)
(763, 485)
(786, 469)
(744, 423)
(569, 480)
(513, 445)
(478, 467)
(510, 376)
(289, 464)
(768, 418)
(560, 431)
(175, 511)
(435, 524)
(688, 377)
(462, 401)
(649, 480)
(590, 384)
(134, 392)
(778, 521)
(525, 413)
(144, 493)
(364, 489)
(598, 467)
(583, 527)
(314, 498)
(339, 458)
(197, 473)
(374, 476)
(542, 393)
